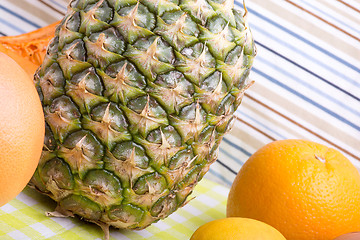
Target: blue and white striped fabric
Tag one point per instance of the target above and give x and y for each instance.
(307, 74)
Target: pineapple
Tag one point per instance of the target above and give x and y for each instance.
(137, 96)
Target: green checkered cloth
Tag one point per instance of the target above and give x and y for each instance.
(24, 218)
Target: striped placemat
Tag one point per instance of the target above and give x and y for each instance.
(307, 74)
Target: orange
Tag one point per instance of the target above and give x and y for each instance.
(22, 129)
(304, 189)
(236, 228)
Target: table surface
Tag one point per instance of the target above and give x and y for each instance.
(307, 86)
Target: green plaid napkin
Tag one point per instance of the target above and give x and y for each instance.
(24, 218)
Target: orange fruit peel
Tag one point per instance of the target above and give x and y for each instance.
(28, 49)
(22, 128)
(304, 189)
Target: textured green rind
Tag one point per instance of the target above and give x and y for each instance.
(136, 97)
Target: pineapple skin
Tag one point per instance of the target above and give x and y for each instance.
(137, 96)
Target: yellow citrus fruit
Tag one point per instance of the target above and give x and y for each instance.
(22, 128)
(236, 228)
(303, 189)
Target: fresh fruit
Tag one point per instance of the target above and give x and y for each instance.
(21, 129)
(28, 49)
(137, 96)
(304, 189)
(236, 228)
(28, 66)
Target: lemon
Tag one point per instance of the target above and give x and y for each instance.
(236, 228)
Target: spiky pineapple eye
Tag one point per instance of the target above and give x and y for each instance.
(168, 134)
(212, 82)
(109, 112)
(73, 22)
(102, 12)
(151, 183)
(83, 152)
(90, 79)
(172, 97)
(181, 158)
(126, 213)
(169, 79)
(163, 51)
(144, 18)
(59, 174)
(200, 10)
(164, 205)
(128, 70)
(216, 25)
(113, 41)
(131, 151)
(102, 186)
(134, 22)
(52, 84)
(75, 50)
(75, 202)
(177, 29)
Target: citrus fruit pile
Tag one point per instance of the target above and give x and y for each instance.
(303, 189)
(288, 189)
